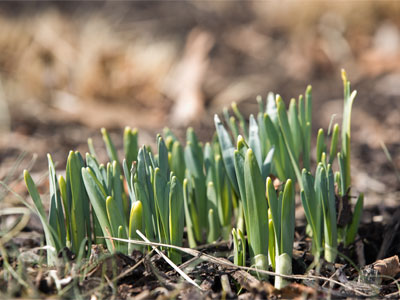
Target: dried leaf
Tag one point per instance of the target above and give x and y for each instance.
(296, 291)
(388, 267)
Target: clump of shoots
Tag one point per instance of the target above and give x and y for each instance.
(211, 188)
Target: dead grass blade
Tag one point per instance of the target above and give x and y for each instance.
(176, 268)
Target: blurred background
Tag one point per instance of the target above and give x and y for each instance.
(69, 68)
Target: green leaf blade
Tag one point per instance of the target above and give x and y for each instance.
(257, 208)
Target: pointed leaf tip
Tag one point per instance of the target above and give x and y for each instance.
(344, 75)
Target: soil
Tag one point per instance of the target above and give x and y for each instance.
(211, 56)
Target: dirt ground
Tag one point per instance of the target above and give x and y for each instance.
(67, 69)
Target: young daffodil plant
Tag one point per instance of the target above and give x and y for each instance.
(211, 188)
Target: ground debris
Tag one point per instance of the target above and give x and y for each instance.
(388, 267)
(381, 270)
